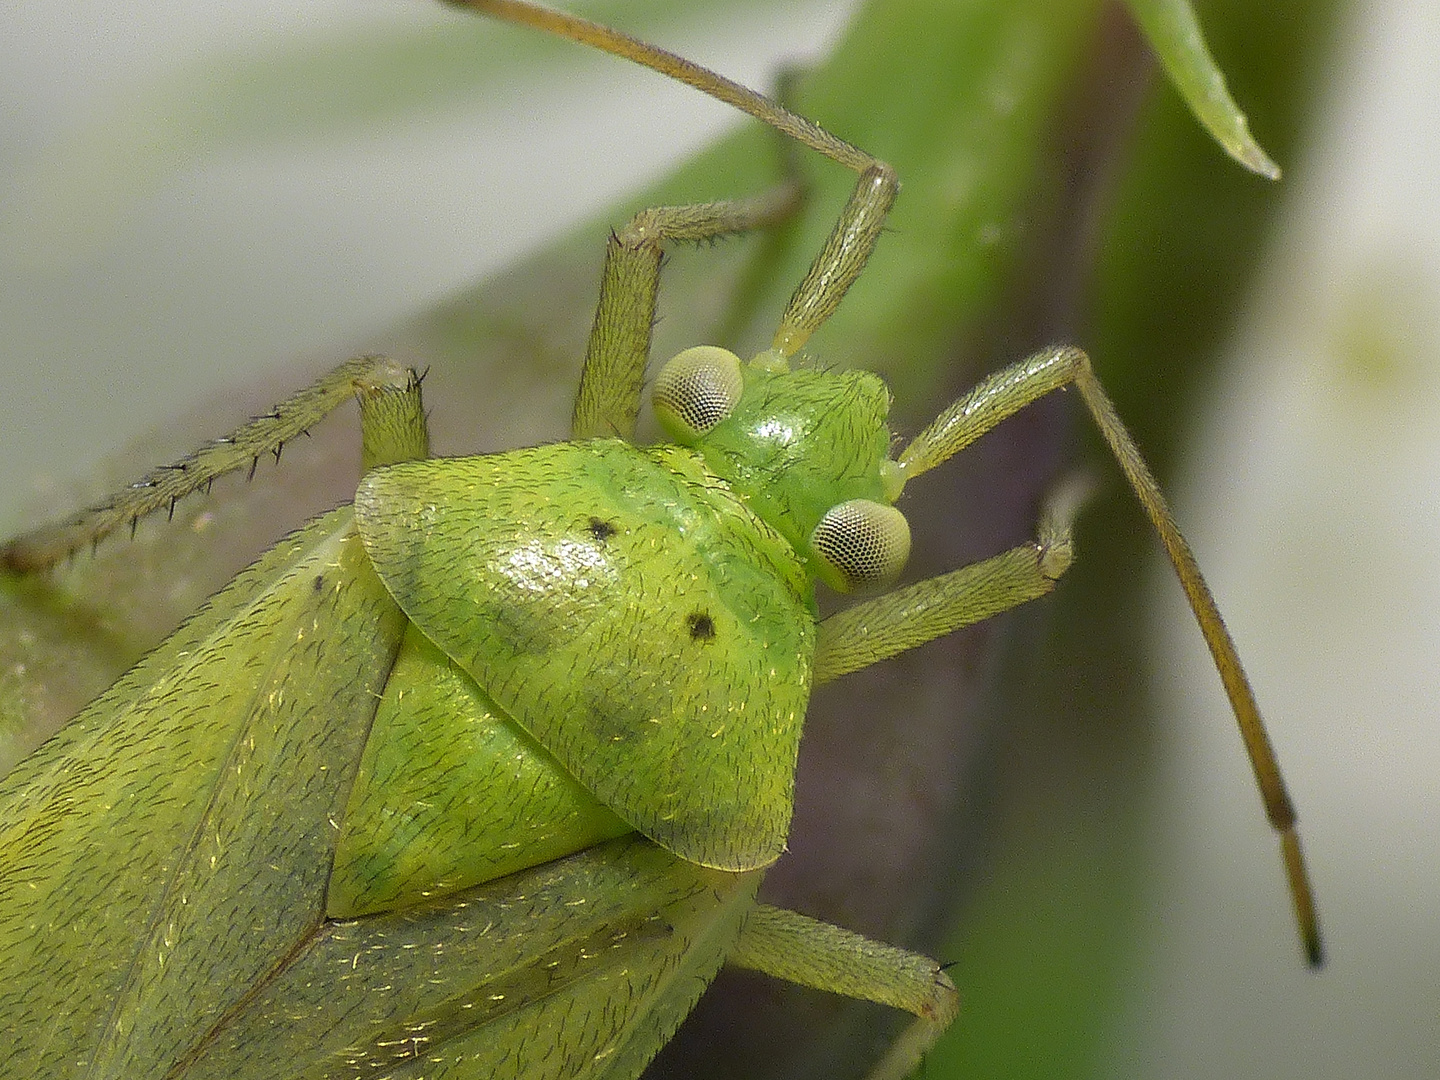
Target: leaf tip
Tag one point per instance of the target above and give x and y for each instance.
(1241, 146)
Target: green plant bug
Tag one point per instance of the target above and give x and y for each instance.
(495, 599)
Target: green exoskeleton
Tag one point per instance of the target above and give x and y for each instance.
(478, 777)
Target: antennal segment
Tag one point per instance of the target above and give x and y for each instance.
(854, 236)
(1010, 390)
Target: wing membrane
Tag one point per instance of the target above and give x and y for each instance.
(578, 969)
(171, 845)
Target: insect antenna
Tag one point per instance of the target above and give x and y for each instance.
(1006, 392)
(862, 221)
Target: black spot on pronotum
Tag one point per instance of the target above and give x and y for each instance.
(702, 627)
(600, 529)
(319, 582)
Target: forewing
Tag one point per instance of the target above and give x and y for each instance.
(630, 613)
(172, 844)
(580, 969)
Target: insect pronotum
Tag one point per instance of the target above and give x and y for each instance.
(479, 777)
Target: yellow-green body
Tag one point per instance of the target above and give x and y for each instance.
(301, 720)
(630, 612)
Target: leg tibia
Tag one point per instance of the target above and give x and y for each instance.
(609, 397)
(392, 420)
(803, 950)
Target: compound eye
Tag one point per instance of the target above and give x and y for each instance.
(696, 390)
(861, 543)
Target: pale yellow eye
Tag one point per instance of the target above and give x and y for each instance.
(696, 390)
(861, 543)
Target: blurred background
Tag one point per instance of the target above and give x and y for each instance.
(1311, 492)
(149, 263)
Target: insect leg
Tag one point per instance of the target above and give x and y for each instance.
(610, 383)
(855, 234)
(1010, 390)
(802, 950)
(875, 630)
(393, 429)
